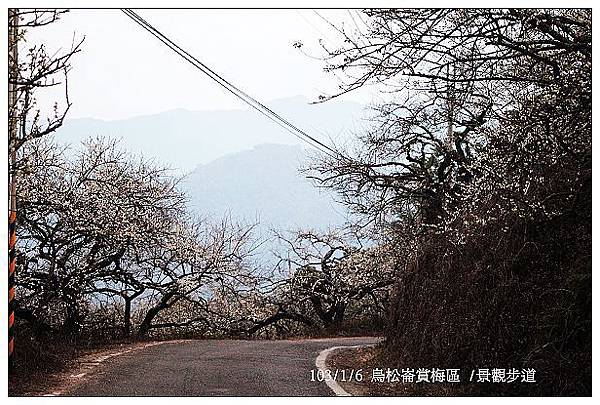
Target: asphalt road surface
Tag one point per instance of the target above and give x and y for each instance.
(215, 368)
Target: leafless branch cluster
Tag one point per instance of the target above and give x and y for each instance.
(479, 162)
(460, 81)
(103, 229)
(34, 70)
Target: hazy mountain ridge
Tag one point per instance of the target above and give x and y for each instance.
(236, 162)
(263, 184)
(182, 139)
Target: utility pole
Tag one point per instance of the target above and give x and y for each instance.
(13, 69)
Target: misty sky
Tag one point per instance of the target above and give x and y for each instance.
(123, 71)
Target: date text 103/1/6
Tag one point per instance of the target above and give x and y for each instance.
(336, 375)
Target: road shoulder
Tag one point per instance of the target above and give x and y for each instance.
(78, 370)
(346, 361)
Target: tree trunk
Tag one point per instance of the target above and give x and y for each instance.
(164, 303)
(338, 315)
(127, 316)
(72, 323)
(73, 318)
(273, 319)
(127, 313)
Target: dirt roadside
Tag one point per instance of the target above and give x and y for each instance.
(369, 358)
(76, 370)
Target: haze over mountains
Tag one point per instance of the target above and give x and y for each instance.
(183, 139)
(263, 184)
(237, 162)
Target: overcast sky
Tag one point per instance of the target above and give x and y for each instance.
(123, 71)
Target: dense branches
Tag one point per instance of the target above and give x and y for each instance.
(331, 278)
(103, 226)
(458, 79)
(37, 69)
(479, 162)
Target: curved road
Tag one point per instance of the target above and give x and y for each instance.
(215, 368)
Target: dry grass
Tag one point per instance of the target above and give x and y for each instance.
(522, 300)
(369, 358)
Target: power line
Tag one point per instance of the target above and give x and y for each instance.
(205, 69)
(228, 86)
(245, 97)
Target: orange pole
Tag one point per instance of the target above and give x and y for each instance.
(12, 216)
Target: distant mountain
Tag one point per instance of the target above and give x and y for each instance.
(237, 162)
(182, 139)
(263, 183)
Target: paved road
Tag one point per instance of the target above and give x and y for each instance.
(215, 368)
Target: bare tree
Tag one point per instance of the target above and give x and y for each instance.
(83, 220)
(197, 260)
(479, 163)
(330, 275)
(454, 77)
(38, 69)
